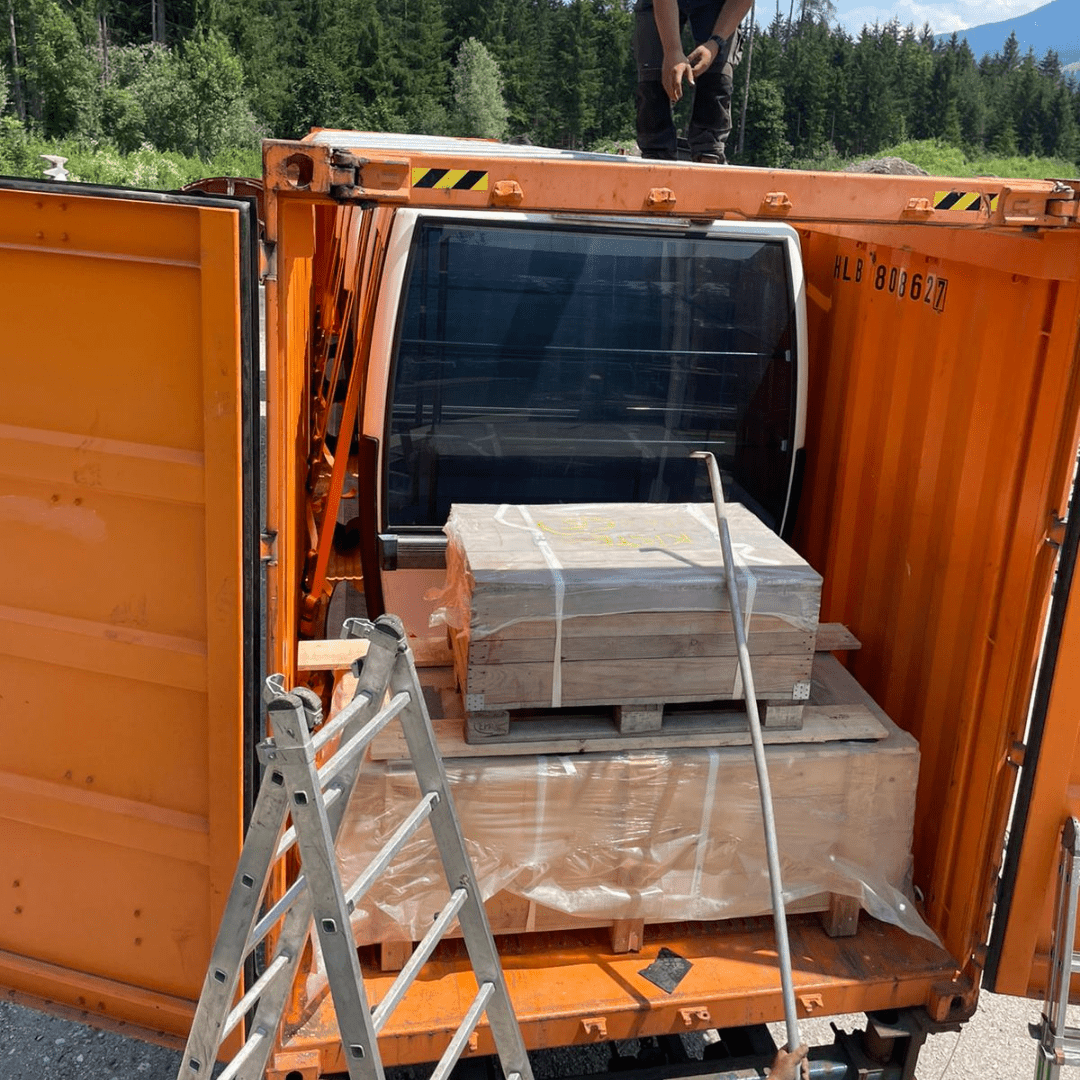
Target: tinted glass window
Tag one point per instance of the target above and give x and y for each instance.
(545, 365)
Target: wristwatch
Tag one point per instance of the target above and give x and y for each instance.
(718, 39)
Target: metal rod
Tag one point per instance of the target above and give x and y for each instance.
(357, 743)
(266, 923)
(332, 727)
(418, 959)
(419, 815)
(783, 948)
(461, 1036)
(238, 1062)
(253, 995)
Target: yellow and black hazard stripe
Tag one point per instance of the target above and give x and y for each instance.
(964, 200)
(450, 179)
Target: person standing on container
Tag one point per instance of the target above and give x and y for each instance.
(662, 65)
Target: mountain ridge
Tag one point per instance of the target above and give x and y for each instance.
(1055, 25)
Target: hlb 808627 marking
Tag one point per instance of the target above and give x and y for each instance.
(929, 289)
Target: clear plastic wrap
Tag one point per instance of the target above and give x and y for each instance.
(512, 564)
(539, 598)
(660, 835)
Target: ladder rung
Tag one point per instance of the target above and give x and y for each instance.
(288, 837)
(1075, 969)
(346, 753)
(332, 727)
(264, 925)
(257, 987)
(418, 959)
(255, 1040)
(420, 814)
(461, 1036)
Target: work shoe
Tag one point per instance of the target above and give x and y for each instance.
(709, 159)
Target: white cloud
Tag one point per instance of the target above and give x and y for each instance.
(944, 16)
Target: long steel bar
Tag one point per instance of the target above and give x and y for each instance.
(419, 957)
(776, 887)
(420, 813)
(461, 1036)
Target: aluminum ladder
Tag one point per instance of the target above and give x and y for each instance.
(1059, 1044)
(316, 796)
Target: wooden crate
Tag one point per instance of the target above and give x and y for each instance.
(621, 604)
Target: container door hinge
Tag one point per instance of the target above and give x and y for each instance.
(268, 260)
(1016, 754)
(1064, 203)
(1055, 535)
(268, 548)
(345, 174)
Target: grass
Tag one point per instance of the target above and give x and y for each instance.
(94, 162)
(941, 159)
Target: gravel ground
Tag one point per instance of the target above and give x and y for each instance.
(34, 1046)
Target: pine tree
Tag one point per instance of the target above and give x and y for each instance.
(478, 107)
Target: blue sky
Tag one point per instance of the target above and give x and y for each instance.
(944, 16)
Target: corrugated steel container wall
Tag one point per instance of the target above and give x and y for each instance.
(941, 436)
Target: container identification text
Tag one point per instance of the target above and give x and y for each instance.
(929, 289)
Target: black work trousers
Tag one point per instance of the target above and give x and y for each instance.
(710, 118)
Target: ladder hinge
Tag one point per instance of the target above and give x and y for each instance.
(268, 548)
(268, 260)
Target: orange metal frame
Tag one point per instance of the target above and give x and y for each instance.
(941, 437)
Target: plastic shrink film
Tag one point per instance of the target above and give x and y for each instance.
(512, 564)
(661, 835)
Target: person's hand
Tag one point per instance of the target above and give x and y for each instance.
(791, 1064)
(702, 57)
(676, 68)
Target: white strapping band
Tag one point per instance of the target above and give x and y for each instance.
(748, 577)
(553, 564)
(706, 821)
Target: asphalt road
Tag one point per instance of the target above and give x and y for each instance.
(33, 1046)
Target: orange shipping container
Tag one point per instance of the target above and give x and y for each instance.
(941, 433)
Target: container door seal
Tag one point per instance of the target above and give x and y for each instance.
(1047, 792)
(130, 619)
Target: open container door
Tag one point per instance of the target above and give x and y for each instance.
(129, 617)
(1047, 794)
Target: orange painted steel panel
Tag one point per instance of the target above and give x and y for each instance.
(291, 226)
(342, 165)
(939, 446)
(121, 630)
(1025, 952)
(557, 980)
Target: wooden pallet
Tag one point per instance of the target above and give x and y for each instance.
(829, 716)
(513, 915)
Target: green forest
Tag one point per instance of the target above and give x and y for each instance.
(160, 92)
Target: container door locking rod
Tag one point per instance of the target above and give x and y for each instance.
(783, 948)
(316, 796)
